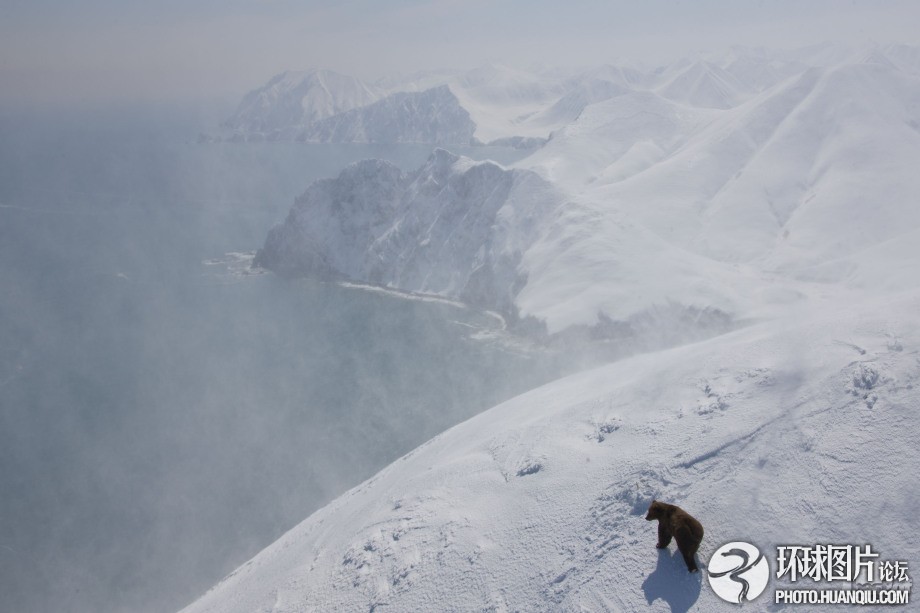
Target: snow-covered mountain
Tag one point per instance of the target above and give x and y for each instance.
(295, 99)
(506, 105)
(433, 116)
(723, 201)
(453, 227)
(809, 180)
(724, 206)
(776, 190)
(437, 107)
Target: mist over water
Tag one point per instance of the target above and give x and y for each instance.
(162, 417)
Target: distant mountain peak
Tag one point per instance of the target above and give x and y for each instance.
(297, 98)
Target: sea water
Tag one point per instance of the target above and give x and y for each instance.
(164, 414)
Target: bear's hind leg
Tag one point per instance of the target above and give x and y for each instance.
(687, 545)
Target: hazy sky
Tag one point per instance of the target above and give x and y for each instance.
(65, 51)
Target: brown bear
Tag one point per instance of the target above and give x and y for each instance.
(674, 521)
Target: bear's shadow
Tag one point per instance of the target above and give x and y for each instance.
(671, 582)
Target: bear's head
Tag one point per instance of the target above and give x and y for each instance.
(656, 510)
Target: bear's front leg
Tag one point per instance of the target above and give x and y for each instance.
(664, 535)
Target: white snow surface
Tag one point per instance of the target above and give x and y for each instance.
(797, 430)
(777, 188)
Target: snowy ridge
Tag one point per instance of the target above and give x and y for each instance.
(776, 434)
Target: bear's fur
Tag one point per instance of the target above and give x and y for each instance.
(674, 521)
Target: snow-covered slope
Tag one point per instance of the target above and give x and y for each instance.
(453, 227)
(758, 69)
(298, 98)
(584, 91)
(807, 180)
(704, 85)
(800, 430)
(502, 100)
